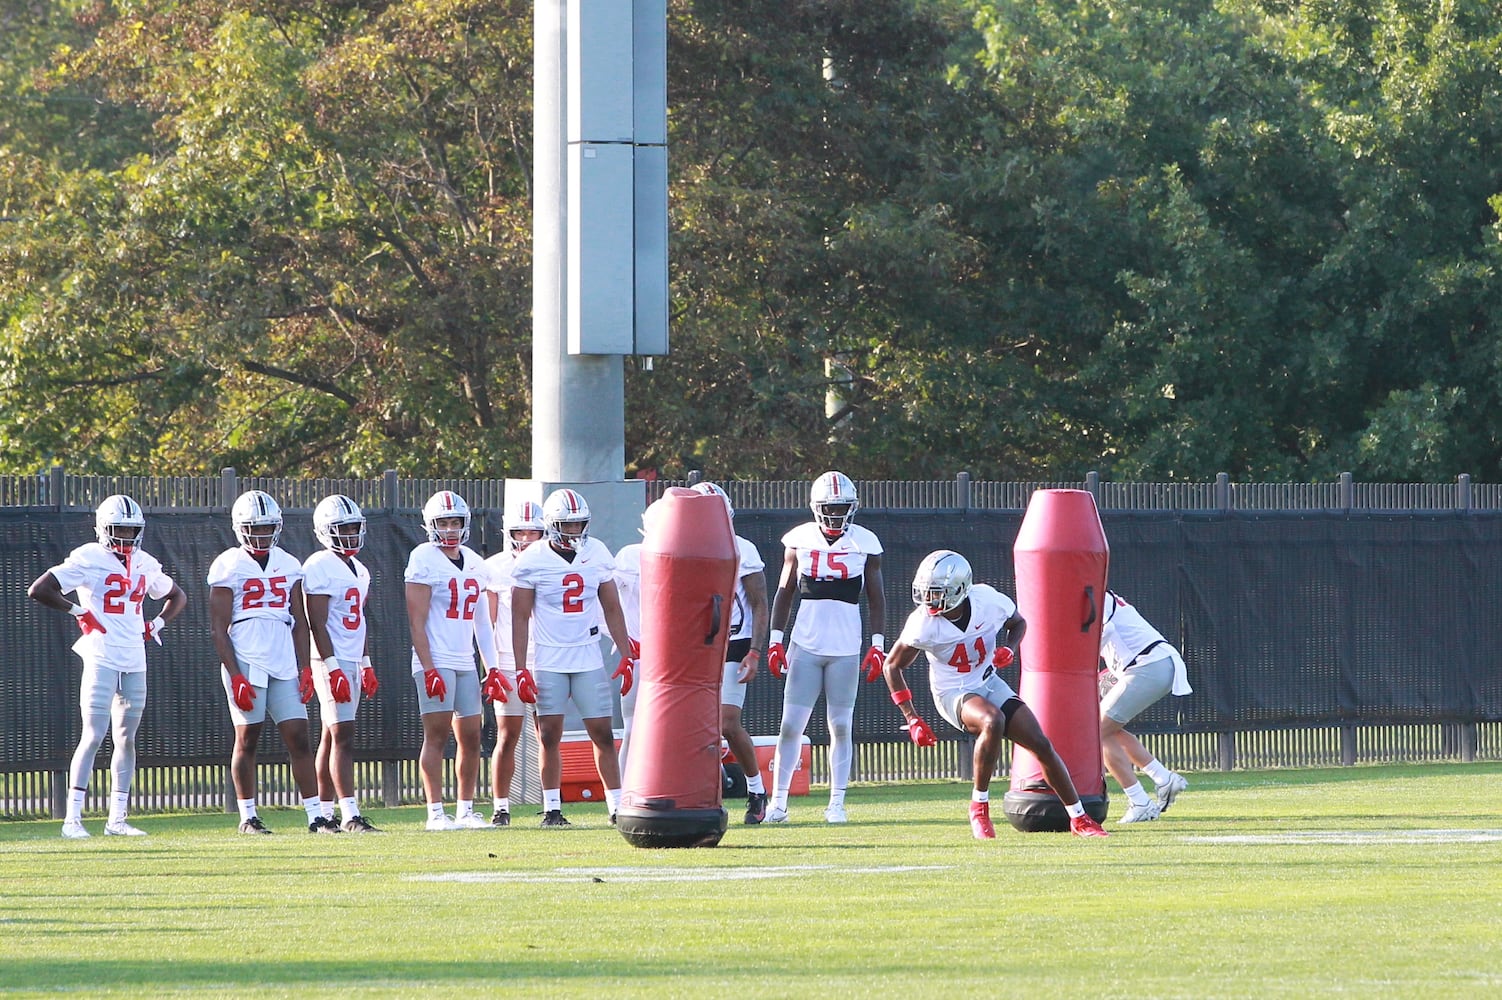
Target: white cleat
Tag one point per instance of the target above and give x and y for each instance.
(1169, 790)
(776, 815)
(121, 828)
(1141, 814)
(442, 824)
(73, 830)
(835, 814)
(471, 821)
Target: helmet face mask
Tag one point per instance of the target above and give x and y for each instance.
(119, 524)
(448, 507)
(524, 527)
(834, 503)
(339, 525)
(257, 520)
(942, 582)
(565, 518)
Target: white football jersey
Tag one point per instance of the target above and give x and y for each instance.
(261, 623)
(347, 586)
(500, 566)
(453, 625)
(628, 585)
(565, 628)
(114, 590)
(1126, 635)
(830, 581)
(958, 658)
(740, 614)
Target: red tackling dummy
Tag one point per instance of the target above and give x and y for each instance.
(1061, 559)
(671, 788)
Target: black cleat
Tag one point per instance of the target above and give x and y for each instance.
(359, 824)
(253, 825)
(324, 825)
(756, 808)
(554, 817)
(500, 818)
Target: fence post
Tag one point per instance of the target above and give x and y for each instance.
(389, 489)
(962, 490)
(1092, 485)
(1347, 492)
(59, 805)
(695, 476)
(228, 488)
(1223, 490)
(1463, 491)
(55, 478)
(1226, 745)
(391, 783)
(1347, 745)
(1468, 742)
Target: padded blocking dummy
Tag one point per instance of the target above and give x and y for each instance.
(671, 789)
(1061, 558)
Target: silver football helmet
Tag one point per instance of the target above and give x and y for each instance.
(566, 507)
(119, 524)
(714, 490)
(942, 582)
(445, 504)
(339, 524)
(833, 502)
(527, 517)
(258, 521)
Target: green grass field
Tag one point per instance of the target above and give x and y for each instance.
(1371, 881)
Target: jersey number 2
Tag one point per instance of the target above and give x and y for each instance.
(573, 593)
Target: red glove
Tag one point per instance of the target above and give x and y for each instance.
(242, 691)
(154, 630)
(919, 733)
(635, 648)
(874, 661)
(777, 659)
(305, 688)
(339, 685)
(495, 686)
(1003, 657)
(88, 623)
(369, 685)
(626, 671)
(432, 682)
(526, 686)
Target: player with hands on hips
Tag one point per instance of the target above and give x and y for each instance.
(522, 528)
(562, 588)
(829, 562)
(336, 587)
(1141, 667)
(113, 577)
(969, 631)
(449, 617)
(748, 636)
(259, 624)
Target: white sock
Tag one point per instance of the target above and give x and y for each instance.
(979, 796)
(552, 799)
(75, 803)
(755, 785)
(613, 800)
(325, 808)
(349, 808)
(119, 806)
(1155, 770)
(247, 809)
(1135, 795)
(463, 808)
(502, 805)
(1076, 810)
(313, 806)
(435, 810)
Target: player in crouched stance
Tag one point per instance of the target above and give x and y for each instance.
(957, 624)
(260, 630)
(449, 617)
(113, 577)
(1141, 668)
(336, 585)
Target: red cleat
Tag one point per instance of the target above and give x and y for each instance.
(1084, 826)
(980, 821)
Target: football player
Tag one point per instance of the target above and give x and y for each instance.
(748, 637)
(969, 633)
(563, 587)
(449, 618)
(522, 528)
(336, 585)
(260, 631)
(113, 577)
(829, 562)
(1140, 668)
(627, 578)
